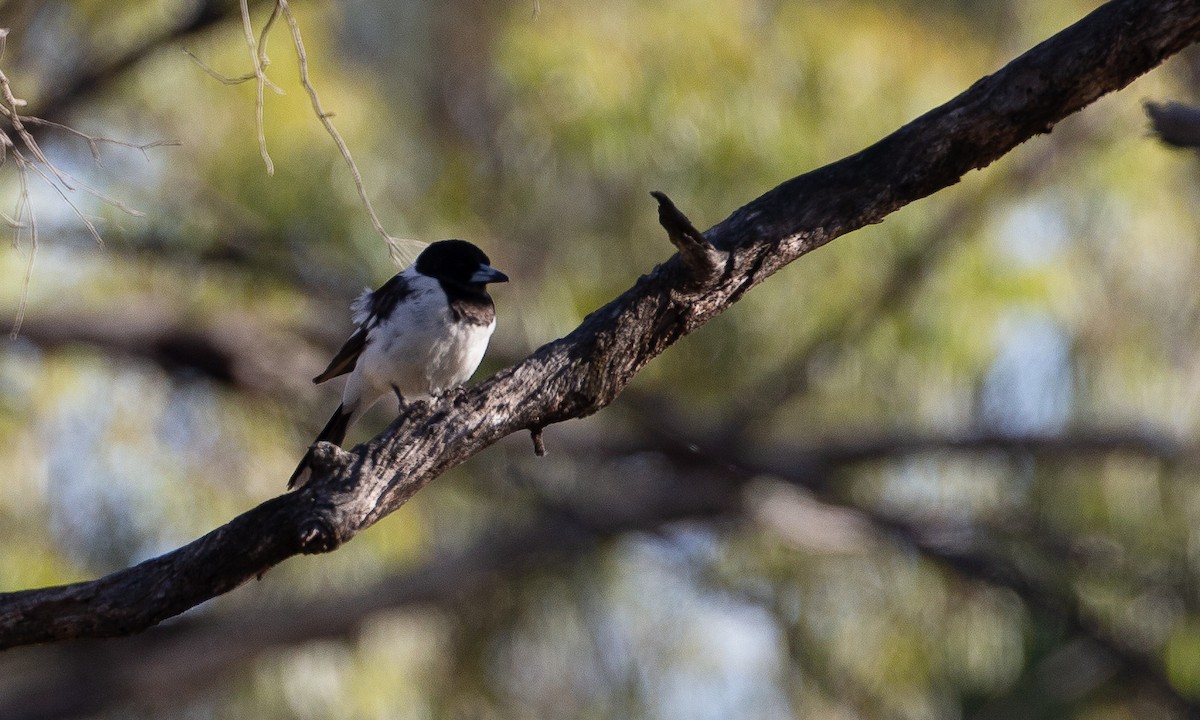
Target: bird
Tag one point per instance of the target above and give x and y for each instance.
(422, 332)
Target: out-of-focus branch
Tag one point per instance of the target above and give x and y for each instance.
(190, 656)
(228, 349)
(1044, 596)
(1175, 123)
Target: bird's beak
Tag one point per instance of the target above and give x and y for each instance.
(488, 274)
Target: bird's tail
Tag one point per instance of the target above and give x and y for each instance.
(334, 432)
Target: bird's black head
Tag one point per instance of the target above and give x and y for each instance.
(458, 262)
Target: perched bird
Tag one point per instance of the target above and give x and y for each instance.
(421, 333)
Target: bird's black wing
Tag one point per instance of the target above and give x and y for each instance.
(369, 310)
(384, 300)
(345, 359)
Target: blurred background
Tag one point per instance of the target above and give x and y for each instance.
(942, 468)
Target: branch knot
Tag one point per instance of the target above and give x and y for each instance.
(329, 457)
(317, 535)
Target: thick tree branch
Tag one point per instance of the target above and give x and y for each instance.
(581, 373)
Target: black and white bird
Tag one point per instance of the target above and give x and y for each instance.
(422, 332)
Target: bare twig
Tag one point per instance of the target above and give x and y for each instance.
(24, 210)
(27, 153)
(402, 250)
(10, 110)
(227, 79)
(264, 61)
(91, 227)
(260, 78)
(11, 221)
(94, 142)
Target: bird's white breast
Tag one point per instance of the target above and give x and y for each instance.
(421, 350)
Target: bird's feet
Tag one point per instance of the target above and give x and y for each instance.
(399, 398)
(456, 393)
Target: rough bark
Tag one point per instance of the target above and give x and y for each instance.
(581, 373)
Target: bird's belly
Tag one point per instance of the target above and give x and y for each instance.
(426, 363)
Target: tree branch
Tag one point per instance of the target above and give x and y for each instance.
(583, 372)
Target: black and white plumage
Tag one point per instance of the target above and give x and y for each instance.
(424, 331)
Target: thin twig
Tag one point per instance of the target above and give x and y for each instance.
(94, 142)
(62, 193)
(223, 79)
(24, 209)
(263, 61)
(17, 121)
(260, 79)
(107, 199)
(402, 250)
(14, 117)
(24, 220)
